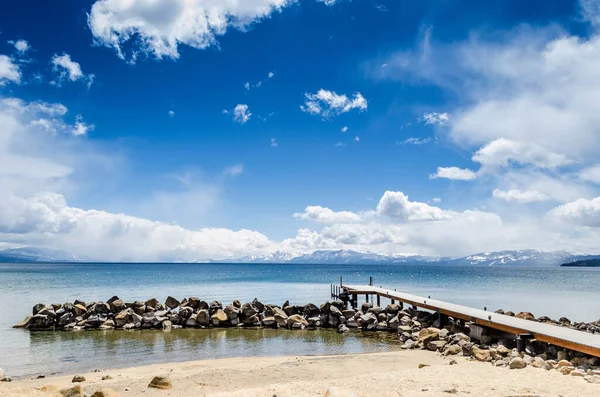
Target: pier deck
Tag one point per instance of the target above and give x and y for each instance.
(559, 336)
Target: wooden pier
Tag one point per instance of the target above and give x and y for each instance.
(568, 338)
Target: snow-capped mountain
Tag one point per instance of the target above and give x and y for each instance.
(521, 258)
(32, 254)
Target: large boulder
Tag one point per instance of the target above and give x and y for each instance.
(427, 335)
(214, 306)
(280, 316)
(436, 345)
(117, 305)
(123, 317)
(203, 318)
(366, 306)
(219, 318)
(171, 302)
(258, 304)
(311, 310)
(248, 309)
(23, 323)
(232, 312)
(452, 350)
(80, 309)
(296, 321)
(153, 303)
(37, 308)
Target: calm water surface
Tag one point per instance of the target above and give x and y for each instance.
(555, 292)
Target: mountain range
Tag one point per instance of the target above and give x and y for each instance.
(526, 257)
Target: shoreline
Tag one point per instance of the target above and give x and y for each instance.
(367, 374)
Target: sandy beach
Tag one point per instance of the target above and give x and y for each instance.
(380, 374)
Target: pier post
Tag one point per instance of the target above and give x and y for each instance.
(520, 344)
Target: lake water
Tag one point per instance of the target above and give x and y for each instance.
(554, 292)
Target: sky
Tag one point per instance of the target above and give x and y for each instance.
(147, 130)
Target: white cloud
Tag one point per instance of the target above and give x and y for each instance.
(21, 45)
(69, 69)
(590, 10)
(271, 75)
(397, 206)
(328, 2)
(171, 113)
(9, 71)
(436, 118)
(328, 103)
(81, 128)
(454, 173)
(234, 170)
(325, 215)
(344, 129)
(339, 144)
(159, 28)
(356, 139)
(436, 200)
(274, 142)
(241, 114)
(415, 141)
(582, 212)
(591, 174)
(501, 152)
(247, 85)
(514, 195)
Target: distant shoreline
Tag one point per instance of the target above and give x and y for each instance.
(583, 263)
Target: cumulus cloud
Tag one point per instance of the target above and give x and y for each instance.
(9, 71)
(22, 46)
(454, 173)
(241, 114)
(68, 69)
(328, 104)
(582, 212)
(81, 127)
(325, 215)
(274, 142)
(159, 28)
(514, 195)
(436, 118)
(171, 113)
(501, 152)
(344, 129)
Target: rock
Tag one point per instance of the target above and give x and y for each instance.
(368, 318)
(538, 362)
(78, 379)
(566, 370)
(269, 321)
(259, 305)
(577, 372)
(237, 303)
(337, 392)
(436, 345)
(232, 311)
(79, 310)
(517, 363)
(443, 333)
(428, 334)
(296, 321)
(171, 302)
(423, 365)
(214, 306)
(280, 316)
(453, 362)
(482, 355)
(562, 355)
(219, 318)
(203, 318)
(105, 393)
(348, 313)
(563, 363)
(248, 309)
(75, 391)
(160, 382)
(6, 379)
(343, 329)
(107, 377)
(167, 325)
(525, 316)
(38, 308)
(548, 365)
(452, 350)
(392, 308)
(23, 323)
(503, 350)
(366, 306)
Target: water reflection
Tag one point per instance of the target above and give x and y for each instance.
(56, 352)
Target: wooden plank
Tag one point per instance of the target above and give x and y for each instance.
(560, 336)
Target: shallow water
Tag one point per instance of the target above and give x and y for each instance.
(555, 292)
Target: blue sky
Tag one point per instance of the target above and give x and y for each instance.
(338, 102)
